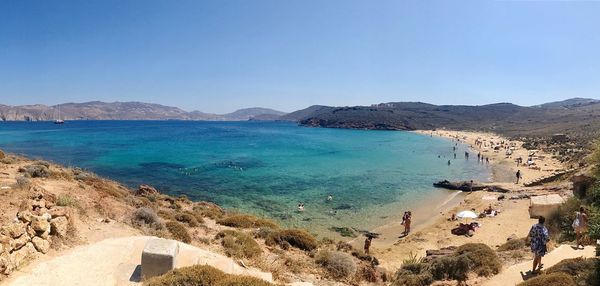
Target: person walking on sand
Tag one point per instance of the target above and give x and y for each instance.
(368, 244)
(580, 225)
(448, 162)
(518, 176)
(539, 236)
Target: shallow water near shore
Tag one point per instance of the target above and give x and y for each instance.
(265, 168)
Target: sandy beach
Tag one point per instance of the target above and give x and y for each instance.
(433, 232)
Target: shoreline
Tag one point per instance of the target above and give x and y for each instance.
(433, 232)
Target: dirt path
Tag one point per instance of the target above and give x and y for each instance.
(513, 275)
(115, 261)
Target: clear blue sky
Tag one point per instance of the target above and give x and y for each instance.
(217, 56)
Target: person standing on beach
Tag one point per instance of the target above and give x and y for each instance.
(539, 236)
(368, 244)
(448, 162)
(518, 176)
(407, 222)
(580, 225)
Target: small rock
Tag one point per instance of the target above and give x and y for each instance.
(39, 204)
(14, 230)
(24, 216)
(39, 224)
(145, 190)
(59, 226)
(30, 231)
(40, 244)
(58, 211)
(5, 266)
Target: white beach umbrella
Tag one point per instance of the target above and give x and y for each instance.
(467, 214)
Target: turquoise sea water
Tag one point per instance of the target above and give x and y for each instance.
(265, 168)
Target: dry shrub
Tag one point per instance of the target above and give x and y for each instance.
(203, 275)
(178, 231)
(584, 271)
(263, 232)
(147, 216)
(245, 221)
(482, 259)
(513, 244)
(337, 263)
(65, 200)
(166, 214)
(209, 210)
(344, 246)
(368, 273)
(23, 183)
(187, 218)
(470, 257)
(238, 244)
(36, 170)
(297, 238)
(553, 279)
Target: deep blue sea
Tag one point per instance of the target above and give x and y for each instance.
(265, 168)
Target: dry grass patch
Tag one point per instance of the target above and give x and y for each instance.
(203, 275)
(245, 221)
(178, 231)
(238, 244)
(297, 238)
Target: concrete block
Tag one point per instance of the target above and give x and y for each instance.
(159, 257)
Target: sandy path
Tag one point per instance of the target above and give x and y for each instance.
(513, 274)
(115, 261)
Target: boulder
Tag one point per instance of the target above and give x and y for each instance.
(17, 257)
(41, 244)
(14, 229)
(58, 226)
(30, 231)
(19, 242)
(24, 216)
(40, 223)
(146, 190)
(2, 155)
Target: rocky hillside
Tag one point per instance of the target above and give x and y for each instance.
(576, 118)
(97, 110)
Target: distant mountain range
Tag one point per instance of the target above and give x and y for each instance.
(577, 116)
(97, 110)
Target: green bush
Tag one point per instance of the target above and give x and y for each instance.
(450, 267)
(338, 264)
(513, 244)
(178, 231)
(238, 244)
(413, 274)
(482, 259)
(297, 238)
(560, 224)
(203, 275)
(245, 221)
(554, 279)
(147, 216)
